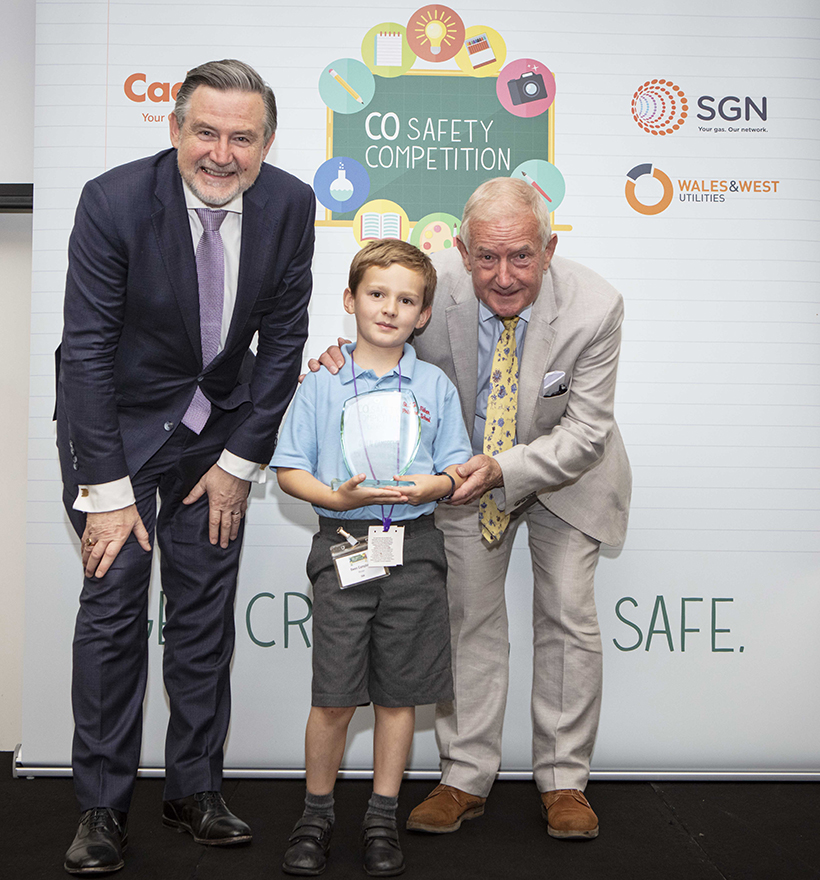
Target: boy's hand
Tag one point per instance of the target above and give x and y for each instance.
(428, 488)
(351, 495)
(332, 359)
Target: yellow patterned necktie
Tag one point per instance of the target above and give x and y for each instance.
(499, 429)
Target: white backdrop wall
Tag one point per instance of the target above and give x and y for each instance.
(709, 610)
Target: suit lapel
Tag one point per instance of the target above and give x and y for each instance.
(259, 232)
(173, 231)
(462, 320)
(536, 358)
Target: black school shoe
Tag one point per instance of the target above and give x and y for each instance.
(382, 852)
(100, 841)
(309, 845)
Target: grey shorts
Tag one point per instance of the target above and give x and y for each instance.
(385, 641)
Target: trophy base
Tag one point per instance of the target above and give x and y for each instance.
(374, 484)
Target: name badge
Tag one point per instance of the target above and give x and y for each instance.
(353, 564)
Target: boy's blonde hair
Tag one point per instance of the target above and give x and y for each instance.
(387, 251)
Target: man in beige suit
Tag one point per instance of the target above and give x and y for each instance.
(566, 474)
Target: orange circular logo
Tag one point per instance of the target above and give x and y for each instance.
(659, 106)
(640, 207)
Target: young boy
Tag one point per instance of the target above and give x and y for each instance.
(385, 641)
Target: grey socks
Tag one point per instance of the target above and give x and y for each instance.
(319, 805)
(378, 805)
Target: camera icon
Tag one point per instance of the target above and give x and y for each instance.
(528, 87)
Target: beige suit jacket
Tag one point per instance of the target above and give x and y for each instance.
(569, 454)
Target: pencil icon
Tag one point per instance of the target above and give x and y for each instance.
(534, 185)
(345, 85)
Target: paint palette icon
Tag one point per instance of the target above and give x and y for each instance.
(435, 232)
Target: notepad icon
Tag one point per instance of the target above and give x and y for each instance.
(479, 51)
(388, 49)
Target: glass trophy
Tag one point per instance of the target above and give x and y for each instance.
(380, 433)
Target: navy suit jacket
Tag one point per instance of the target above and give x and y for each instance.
(131, 357)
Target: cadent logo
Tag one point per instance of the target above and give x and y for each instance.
(659, 107)
(137, 89)
(666, 197)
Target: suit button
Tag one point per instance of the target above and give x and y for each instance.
(75, 466)
(199, 378)
(169, 426)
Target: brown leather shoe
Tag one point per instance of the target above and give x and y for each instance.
(568, 815)
(444, 809)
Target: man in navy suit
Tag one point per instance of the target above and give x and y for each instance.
(175, 263)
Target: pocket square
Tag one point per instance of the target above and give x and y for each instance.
(553, 384)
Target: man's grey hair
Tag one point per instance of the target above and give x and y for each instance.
(225, 76)
(501, 198)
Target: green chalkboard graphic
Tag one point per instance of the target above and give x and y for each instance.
(428, 141)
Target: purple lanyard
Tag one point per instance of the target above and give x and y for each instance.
(386, 520)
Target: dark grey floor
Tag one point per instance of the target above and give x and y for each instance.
(649, 831)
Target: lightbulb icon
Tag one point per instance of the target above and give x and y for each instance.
(435, 32)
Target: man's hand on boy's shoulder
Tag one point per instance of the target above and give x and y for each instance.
(332, 359)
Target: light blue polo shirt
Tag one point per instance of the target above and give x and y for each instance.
(310, 437)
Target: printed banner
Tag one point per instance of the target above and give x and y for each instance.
(676, 148)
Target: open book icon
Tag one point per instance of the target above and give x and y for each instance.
(376, 225)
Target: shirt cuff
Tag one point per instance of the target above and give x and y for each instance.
(102, 497)
(251, 471)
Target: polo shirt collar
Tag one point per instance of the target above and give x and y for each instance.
(408, 364)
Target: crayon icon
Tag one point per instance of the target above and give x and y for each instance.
(345, 85)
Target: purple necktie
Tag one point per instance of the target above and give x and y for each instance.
(210, 271)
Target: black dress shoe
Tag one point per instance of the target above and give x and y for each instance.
(309, 845)
(100, 841)
(382, 853)
(206, 818)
